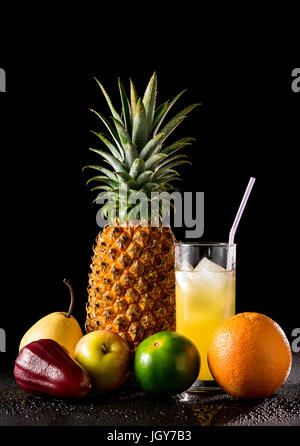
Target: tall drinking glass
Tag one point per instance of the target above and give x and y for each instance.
(205, 294)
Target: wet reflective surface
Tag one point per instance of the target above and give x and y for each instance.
(131, 407)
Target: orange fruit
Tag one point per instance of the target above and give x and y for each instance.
(249, 356)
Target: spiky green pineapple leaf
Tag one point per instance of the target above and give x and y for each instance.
(151, 146)
(158, 114)
(178, 145)
(169, 188)
(163, 171)
(138, 166)
(171, 158)
(125, 106)
(132, 185)
(125, 176)
(166, 111)
(176, 163)
(168, 177)
(142, 163)
(174, 122)
(114, 162)
(107, 172)
(149, 100)
(131, 154)
(122, 131)
(144, 177)
(171, 126)
(133, 100)
(103, 187)
(139, 125)
(154, 160)
(128, 180)
(112, 109)
(112, 148)
(110, 129)
(104, 179)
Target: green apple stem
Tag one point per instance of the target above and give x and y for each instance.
(72, 297)
(103, 348)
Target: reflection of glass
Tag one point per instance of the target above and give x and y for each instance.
(205, 293)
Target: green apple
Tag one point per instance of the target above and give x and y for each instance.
(106, 358)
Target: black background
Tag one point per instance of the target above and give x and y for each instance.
(248, 125)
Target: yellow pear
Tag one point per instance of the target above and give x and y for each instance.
(60, 326)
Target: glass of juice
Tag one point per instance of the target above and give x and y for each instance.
(205, 295)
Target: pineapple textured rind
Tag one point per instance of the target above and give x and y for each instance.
(132, 283)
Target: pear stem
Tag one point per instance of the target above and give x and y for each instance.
(72, 297)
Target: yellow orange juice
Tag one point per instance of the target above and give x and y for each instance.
(205, 297)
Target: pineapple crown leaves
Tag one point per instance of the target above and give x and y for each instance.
(137, 154)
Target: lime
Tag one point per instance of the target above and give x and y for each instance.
(166, 363)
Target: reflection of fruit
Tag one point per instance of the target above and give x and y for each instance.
(249, 356)
(61, 327)
(166, 362)
(131, 285)
(45, 368)
(106, 357)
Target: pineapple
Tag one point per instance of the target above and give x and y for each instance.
(131, 284)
